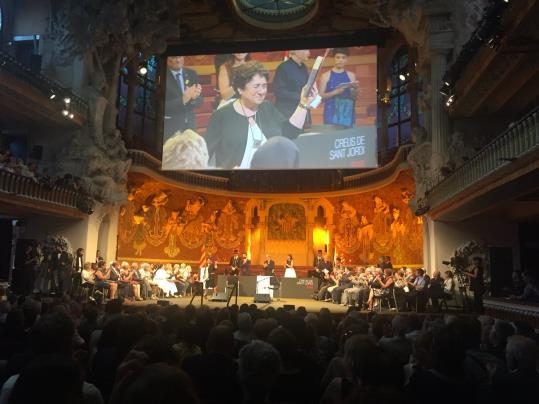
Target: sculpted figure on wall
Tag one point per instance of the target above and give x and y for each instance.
(365, 235)
(103, 170)
(229, 225)
(347, 236)
(156, 218)
(419, 160)
(191, 233)
(173, 230)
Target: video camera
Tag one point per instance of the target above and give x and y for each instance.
(457, 263)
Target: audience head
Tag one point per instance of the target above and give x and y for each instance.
(259, 366)
(522, 354)
(49, 379)
(53, 334)
(277, 153)
(221, 341)
(159, 384)
(185, 150)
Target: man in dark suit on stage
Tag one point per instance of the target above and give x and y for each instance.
(235, 262)
(269, 266)
(182, 95)
(245, 265)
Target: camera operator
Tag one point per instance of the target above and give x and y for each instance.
(477, 283)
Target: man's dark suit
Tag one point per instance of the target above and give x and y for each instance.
(245, 267)
(61, 272)
(269, 267)
(179, 116)
(235, 263)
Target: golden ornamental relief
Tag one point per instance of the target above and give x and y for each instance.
(346, 237)
(286, 221)
(229, 232)
(156, 219)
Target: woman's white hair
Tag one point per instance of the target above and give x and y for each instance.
(185, 150)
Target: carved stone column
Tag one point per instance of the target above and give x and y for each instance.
(441, 38)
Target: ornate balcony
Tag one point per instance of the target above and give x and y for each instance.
(22, 192)
(25, 96)
(269, 181)
(515, 147)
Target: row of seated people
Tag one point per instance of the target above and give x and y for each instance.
(406, 288)
(144, 281)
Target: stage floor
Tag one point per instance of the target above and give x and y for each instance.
(311, 305)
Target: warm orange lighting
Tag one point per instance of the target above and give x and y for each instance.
(320, 238)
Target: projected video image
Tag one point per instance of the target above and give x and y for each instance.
(295, 109)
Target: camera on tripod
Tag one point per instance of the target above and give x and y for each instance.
(458, 263)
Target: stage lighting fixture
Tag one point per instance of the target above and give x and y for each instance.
(52, 95)
(445, 89)
(71, 115)
(65, 112)
(142, 69)
(67, 100)
(450, 100)
(404, 76)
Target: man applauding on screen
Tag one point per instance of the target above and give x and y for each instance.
(183, 94)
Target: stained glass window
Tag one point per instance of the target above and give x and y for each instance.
(144, 119)
(399, 116)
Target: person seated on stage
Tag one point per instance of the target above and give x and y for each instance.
(177, 277)
(146, 279)
(338, 272)
(245, 265)
(400, 288)
(440, 288)
(418, 291)
(289, 271)
(163, 281)
(269, 266)
(344, 283)
(88, 273)
(531, 290)
(103, 280)
(357, 294)
(124, 281)
(381, 285)
(327, 279)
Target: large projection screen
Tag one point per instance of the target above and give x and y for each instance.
(246, 111)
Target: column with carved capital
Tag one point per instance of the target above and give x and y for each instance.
(441, 38)
(263, 228)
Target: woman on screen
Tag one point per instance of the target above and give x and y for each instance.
(338, 89)
(225, 77)
(239, 128)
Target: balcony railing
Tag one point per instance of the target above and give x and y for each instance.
(378, 174)
(520, 139)
(145, 160)
(18, 185)
(41, 82)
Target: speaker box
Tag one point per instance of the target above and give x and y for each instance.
(163, 302)
(219, 297)
(262, 298)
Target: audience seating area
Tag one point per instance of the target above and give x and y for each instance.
(168, 354)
